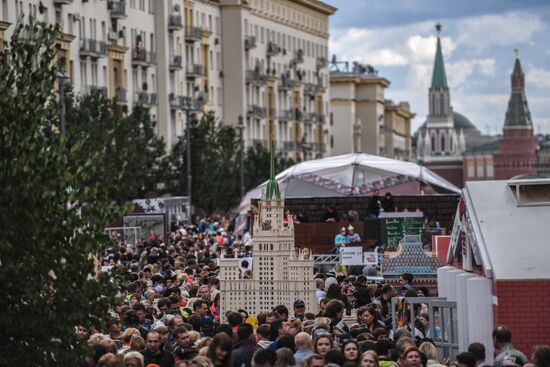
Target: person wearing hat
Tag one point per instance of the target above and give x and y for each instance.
(299, 309)
(340, 240)
(353, 238)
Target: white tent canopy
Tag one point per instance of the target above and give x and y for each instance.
(355, 174)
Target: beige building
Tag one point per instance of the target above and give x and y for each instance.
(264, 60)
(362, 119)
(279, 276)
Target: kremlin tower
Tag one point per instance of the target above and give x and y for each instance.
(518, 146)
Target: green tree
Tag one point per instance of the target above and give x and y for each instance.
(214, 165)
(130, 149)
(256, 165)
(52, 218)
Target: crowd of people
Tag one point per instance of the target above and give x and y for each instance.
(170, 317)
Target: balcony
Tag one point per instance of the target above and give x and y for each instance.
(262, 142)
(93, 48)
(175, 22)
(310, 89)
(319, 147)
(194, 70)
(192, 34)
(143, 57)
(176, 102)
(117, 9)
(289, 145)
(147, 99)
(120, 94)
(286, 115)
(298, 114)
(321, 119)
(272, 49)
(298, 57)
(256, 111)
(176, 62)
(286, 83)
(94, 90)
(249, 42)
(255, 77)
(322, 62)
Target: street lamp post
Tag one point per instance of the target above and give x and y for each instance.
(62, 77)
(241, 126)
(187, 106)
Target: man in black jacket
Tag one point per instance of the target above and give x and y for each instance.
(244, 351)
(182, 349)
(362, 292)
(153, 354)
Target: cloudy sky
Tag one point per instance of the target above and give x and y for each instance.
(397, 37)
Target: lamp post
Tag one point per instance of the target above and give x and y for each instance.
(240, 126)
(61, 78)
(188, 105)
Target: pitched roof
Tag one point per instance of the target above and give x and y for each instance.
(518, 115)
(512, 239)
(439, 77)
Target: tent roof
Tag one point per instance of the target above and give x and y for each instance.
(354, 174)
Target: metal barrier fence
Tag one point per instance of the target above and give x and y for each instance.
(130, 234)
(443, 321)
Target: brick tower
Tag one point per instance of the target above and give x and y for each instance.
(518, 146)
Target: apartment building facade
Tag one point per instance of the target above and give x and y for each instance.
(362, 118)
(264, 60)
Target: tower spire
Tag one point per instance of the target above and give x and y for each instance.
(272, 185)
(518, 115)
(439, 77)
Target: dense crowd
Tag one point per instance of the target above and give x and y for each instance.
(170, 317)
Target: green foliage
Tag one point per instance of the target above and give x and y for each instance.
(129, 148)
(256, 165)
(52, 218)
(214, 165)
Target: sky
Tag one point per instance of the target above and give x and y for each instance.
(398, 38)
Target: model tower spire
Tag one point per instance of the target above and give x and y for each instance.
(272, 189)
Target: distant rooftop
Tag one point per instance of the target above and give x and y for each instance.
(346, 68)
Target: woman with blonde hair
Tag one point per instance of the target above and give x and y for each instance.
(292, 327)
(133, 359)
(201, 361)
(369, 359)
(430, 351)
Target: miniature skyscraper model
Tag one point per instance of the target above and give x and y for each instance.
(279, 277)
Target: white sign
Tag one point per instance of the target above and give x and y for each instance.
(351, 256)
(370, 258)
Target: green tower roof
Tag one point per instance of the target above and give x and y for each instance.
(518, 115)
(272, 185)
(439, 77)
(517, 64)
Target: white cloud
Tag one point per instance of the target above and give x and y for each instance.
(540, 78)
(461, 72)
(512, 28)
(410, 51)
(423, 48)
